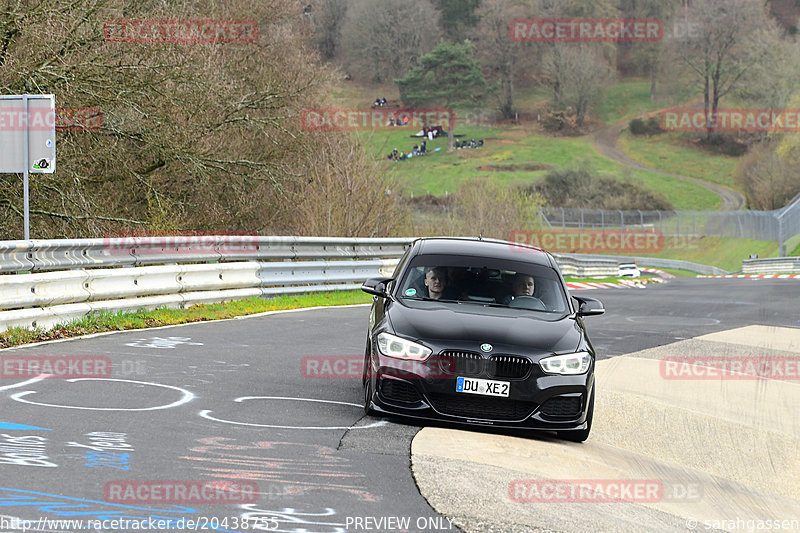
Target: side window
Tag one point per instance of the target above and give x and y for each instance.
(399, 268)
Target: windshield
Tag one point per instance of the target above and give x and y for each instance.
(482, 281)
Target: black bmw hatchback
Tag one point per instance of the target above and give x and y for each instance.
(480, 332)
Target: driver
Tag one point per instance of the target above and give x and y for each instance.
(436, 282)
(521, 285)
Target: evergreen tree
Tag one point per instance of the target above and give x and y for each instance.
(450, 76)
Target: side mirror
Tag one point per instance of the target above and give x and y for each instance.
(589, 306)
(376, 287)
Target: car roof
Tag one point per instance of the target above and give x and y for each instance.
(481, 247)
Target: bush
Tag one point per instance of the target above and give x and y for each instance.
(637, 126)
(560, 121)
(768, 181)
(581, 187)
(480, 207)
(654, 126)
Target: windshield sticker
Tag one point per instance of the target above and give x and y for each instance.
(410, 292)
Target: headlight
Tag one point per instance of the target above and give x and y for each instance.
(394, 346)
(567, 364)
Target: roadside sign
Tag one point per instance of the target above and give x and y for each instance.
(34, 117)
(27, 140)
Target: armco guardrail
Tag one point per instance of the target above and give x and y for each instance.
(62, 280)
(579, 266)
(46, 299)
(65, 254)
(66, 279)
(649, 262)
(774, 265)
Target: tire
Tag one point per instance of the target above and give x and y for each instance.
(581, 434)
(368, 393)
(368, 386)
(366, 364)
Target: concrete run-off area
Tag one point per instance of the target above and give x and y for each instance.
(721, 448)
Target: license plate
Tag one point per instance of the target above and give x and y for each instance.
(486, 387)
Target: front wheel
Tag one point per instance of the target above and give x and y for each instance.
(368, 393)
(580, 435)
(368, 386)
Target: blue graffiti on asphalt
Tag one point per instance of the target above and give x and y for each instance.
(23, 427)
(67, 506)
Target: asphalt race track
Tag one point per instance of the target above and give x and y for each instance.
(248, 401)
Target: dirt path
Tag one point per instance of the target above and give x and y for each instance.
(605, 140)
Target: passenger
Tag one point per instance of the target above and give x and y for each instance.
(521, 285)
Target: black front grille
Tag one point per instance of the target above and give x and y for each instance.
(461, 363)
(485, 408)
(562, 406)
(399, 391)
(454, 363)
(509, 366)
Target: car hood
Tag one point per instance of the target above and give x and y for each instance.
(466, 326)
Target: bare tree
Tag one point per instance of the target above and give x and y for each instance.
(382, 39)
(647, 58)
(579, 73)
(328, 18)
(724, 50)
(576, 72)
(346, 193)
(502, 58)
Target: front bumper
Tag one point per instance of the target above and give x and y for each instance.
(422, 390)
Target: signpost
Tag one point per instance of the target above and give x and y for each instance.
(27, 139)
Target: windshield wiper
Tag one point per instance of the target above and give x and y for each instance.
(429, 299)
(487, 304)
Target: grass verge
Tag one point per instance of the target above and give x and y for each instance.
(679, 273)
(100, 322)
(673, 153)
(627, 99)
(723, 252)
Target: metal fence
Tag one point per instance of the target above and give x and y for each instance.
(777, 225)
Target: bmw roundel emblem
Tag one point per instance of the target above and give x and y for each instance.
(486, 347)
